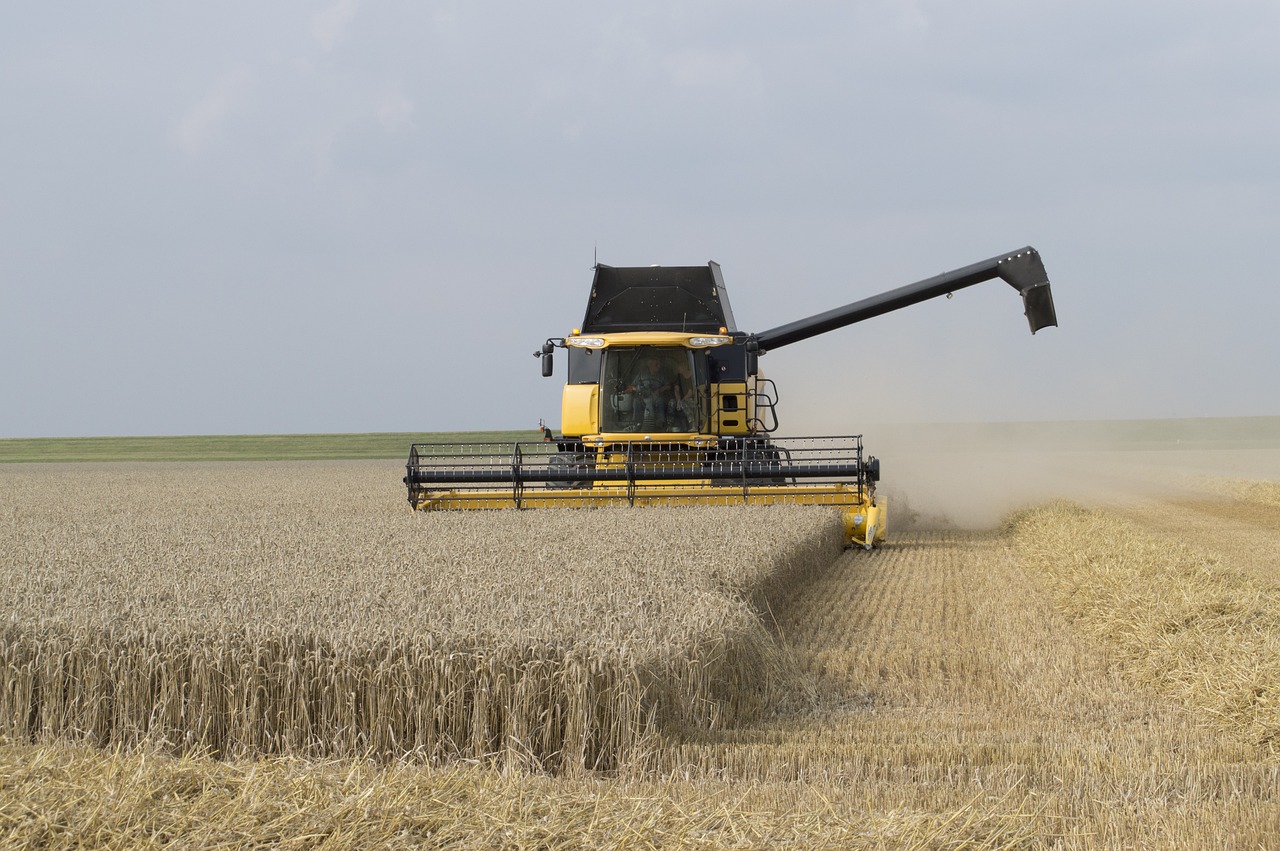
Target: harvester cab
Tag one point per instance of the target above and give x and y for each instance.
(665, 404)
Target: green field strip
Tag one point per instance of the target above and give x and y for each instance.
(1087, 435)
(242, 447)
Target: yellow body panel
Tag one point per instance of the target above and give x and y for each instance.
(729, 408)
(861, 518)
(648, 338)
(686, 438)
(866, 523)
(580, 409)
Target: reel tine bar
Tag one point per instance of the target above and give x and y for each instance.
(632, 471)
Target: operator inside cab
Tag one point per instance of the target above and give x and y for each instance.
(652, 389)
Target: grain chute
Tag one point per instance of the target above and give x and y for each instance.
(665, 405)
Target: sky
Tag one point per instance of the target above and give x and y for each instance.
(260, 218)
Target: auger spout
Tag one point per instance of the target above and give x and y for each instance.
(1021, 269)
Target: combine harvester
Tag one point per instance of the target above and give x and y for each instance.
(665, 405)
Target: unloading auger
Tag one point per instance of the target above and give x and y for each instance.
(665, 405)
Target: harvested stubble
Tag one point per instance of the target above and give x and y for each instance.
(64, 796)
(303, 609)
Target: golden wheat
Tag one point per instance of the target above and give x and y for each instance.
(955, 689)
(303, 609)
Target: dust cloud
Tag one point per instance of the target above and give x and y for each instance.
(971, 476)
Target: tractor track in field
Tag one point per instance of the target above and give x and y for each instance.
(939, 671)
(892, 651)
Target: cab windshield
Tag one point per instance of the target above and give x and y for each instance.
(654, 389)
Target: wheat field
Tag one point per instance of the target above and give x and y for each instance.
(244, 610)
(238, 655)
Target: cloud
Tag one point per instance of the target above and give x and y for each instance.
(394, 110)
(707, 68)
(201, 123)
(329, 26)
(909, 15)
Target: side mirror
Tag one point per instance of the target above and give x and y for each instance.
(548, 365)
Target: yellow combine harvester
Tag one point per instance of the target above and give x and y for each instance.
(665, 405)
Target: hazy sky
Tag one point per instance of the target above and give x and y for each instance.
(365, 216)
